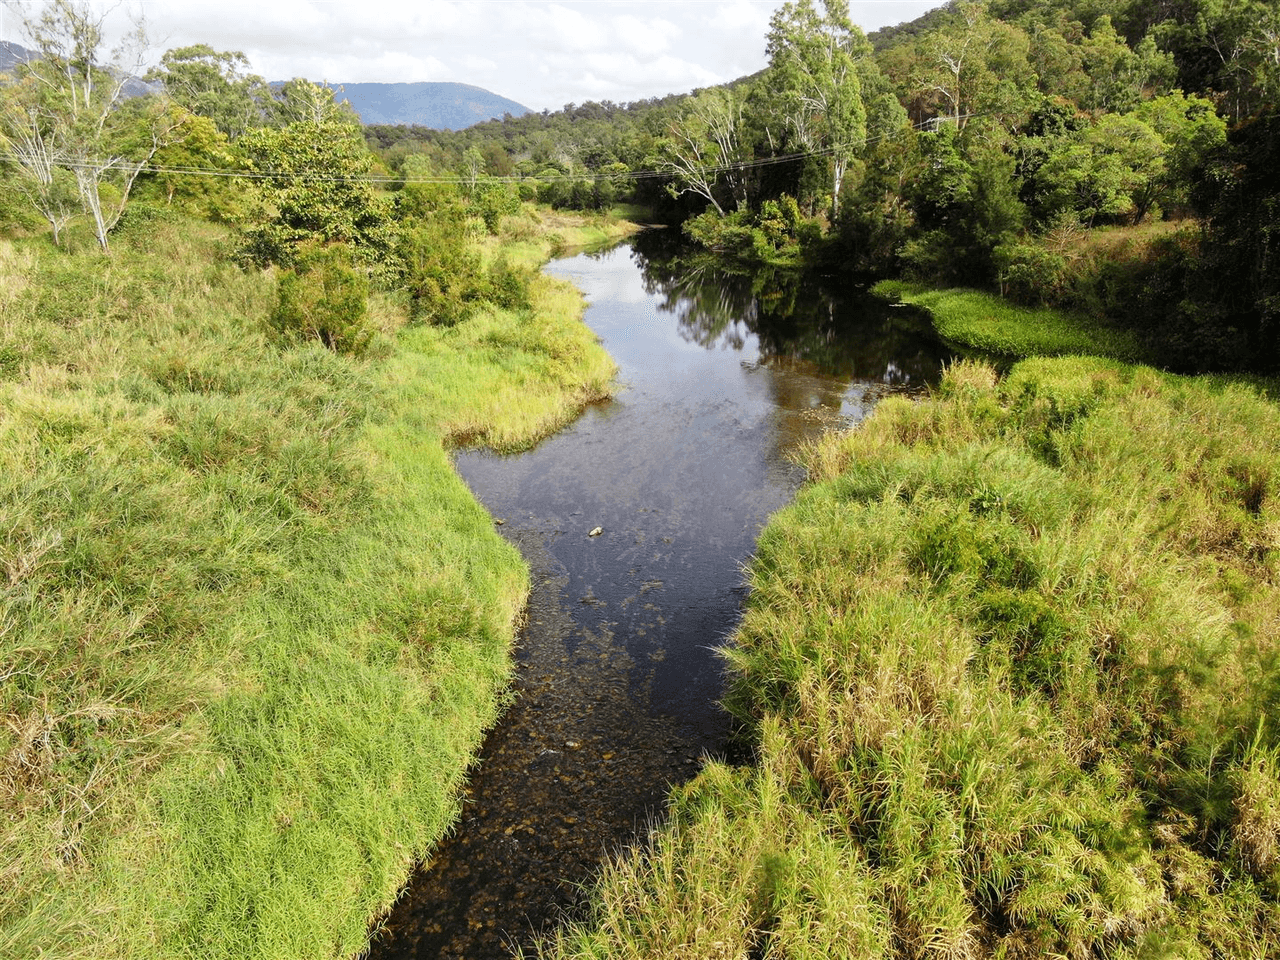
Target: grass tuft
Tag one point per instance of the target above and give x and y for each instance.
(992, 325)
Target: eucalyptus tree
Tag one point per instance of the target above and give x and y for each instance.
(214, 84)
(68, 117)
(704, 148)
(302, 101)
(815, 56)
(973, 64)
(1228, 49)
(33, 144)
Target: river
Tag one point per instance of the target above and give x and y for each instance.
(636, 522)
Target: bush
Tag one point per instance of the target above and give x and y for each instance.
(493, 201)
(1030, 274)
(446, 280)
(324, 298)
(775, 234)
(441, 274)
(508, 286)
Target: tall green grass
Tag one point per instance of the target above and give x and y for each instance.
(537, 233)
(253, 625)
(985, 322)
(1011, 666)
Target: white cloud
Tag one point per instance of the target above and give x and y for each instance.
(641, 36)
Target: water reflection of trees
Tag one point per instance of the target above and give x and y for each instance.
(792, 317)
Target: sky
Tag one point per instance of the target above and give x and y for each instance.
(540, 53)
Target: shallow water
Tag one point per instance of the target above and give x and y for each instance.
(721, 379)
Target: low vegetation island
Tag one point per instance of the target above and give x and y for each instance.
(1008, 667)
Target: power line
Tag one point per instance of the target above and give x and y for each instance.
(629, 175)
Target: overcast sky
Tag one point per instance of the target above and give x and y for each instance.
(540, 53)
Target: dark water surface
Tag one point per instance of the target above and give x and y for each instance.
(720, 379)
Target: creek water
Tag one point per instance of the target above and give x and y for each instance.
(721, 377)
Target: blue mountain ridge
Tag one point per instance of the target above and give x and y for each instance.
(443, 106)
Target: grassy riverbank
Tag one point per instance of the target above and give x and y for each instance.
(1011, 664)
(531, 237)
(253, 624)
(985, 322)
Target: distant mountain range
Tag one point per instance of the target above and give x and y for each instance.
(442, 106)
(11, 55)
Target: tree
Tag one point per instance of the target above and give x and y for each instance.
(1119, 75)
(472, 170)
(1192, 132)
(69, 114)
(1109, 171)
(1228, 50)
(311, 185)
(703, 148)
(975, 65)
(301, 101)
(965, 199)
(813, 63)
(1236, 289)
(34, 146)
(178, 177)
(215, 85)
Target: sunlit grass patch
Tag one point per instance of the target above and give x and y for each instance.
(538, 233)
(985, 322)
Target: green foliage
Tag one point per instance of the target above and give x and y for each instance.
(495, 201)
(308, 188)
(66, 124)
(324, 297)
(1235, 291)
(777, 234)
(214, 85)
(442, 273)
(597, 194)
(987, 323)
(814, 67)
(16, 211)
(197, 145)
(967, 204)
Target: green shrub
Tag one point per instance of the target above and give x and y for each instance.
(508, 286)
(324, 298)
(494, 201)
(443, 274)
(1031, 274)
